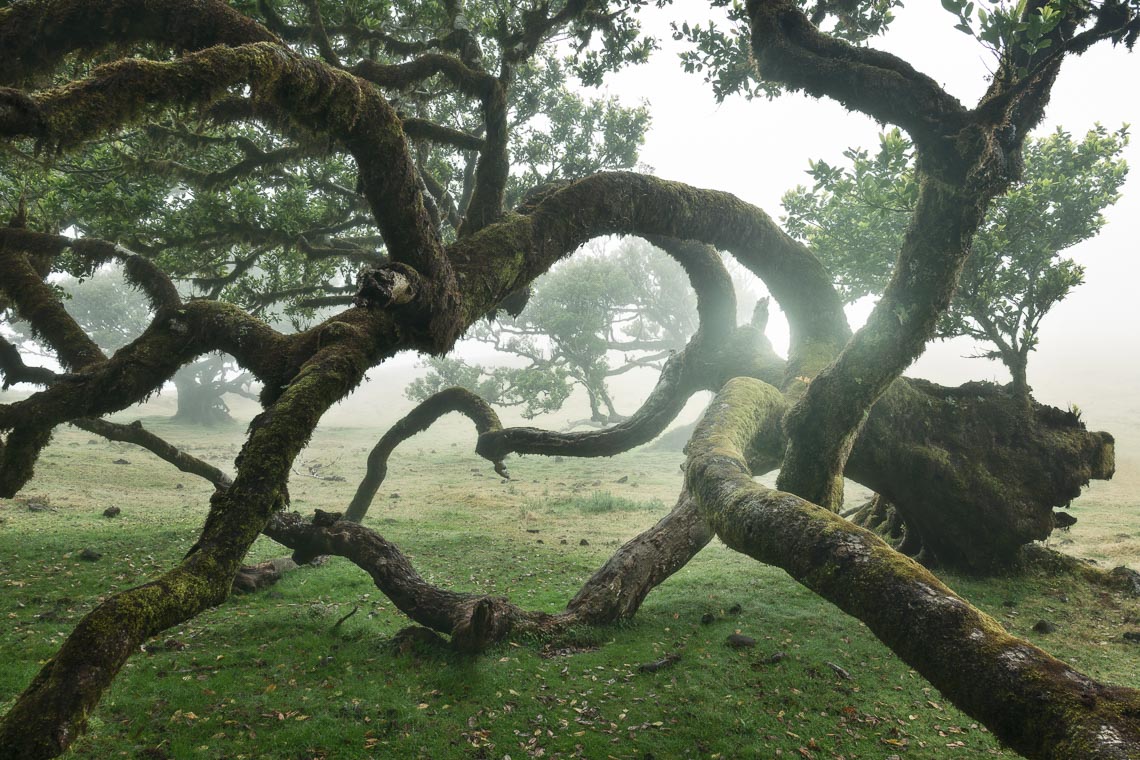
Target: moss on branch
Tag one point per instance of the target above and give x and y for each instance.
(1031, 701)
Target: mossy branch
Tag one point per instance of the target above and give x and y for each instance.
(416, 421)
(1031, 701)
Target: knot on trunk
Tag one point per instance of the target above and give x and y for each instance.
(393, 284)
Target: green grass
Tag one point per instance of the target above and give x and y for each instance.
(272, 675)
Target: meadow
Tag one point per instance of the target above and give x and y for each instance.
(311, 668)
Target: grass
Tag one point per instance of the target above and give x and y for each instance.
(272, 675)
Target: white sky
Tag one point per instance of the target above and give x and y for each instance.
(759, 149)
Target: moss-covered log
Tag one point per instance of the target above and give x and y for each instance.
(1036, 704)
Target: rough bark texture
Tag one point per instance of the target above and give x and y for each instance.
(1031, 701)
(807, 415)
(973, 477)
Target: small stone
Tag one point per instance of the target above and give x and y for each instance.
(92, 441)
(1044, 626)
(583, 542)
(622, 479)
(773, 658)
(707, 618)
(564, 542)
(111, 512)
(89, 555)
(179, 487)
(120, 461)
(740, 641)
(540, 541)
(394, 495)
(533, 530)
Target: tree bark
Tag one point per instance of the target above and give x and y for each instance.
(1031, 701)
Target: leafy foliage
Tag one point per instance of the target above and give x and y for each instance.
(855, 217)
(722, 53)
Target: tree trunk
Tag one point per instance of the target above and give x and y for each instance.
(199, 402)
(973, 477)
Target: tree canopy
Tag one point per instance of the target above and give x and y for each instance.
(855, 217)
(363, 152)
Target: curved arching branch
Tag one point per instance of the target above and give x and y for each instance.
(37, 303)
(1036, 704)
(685, 373)
(51, 713)
(477, 621)
(625, 203)
(789, 49)
(309, 92)
(37, 35)
(416, 421)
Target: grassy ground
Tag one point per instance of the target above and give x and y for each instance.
(274, 675)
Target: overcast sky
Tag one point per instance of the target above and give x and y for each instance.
(759, 149)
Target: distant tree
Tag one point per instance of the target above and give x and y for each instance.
(113, 313)
(635, 303)
(855, 217)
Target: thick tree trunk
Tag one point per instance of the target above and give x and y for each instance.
(974, 478)
(1031, 701)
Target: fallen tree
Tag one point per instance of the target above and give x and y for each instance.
(805, 415)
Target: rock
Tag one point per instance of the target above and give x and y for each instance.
(179, 487)
(564, 541)
(394, 495)
(89, 555)
(540, 541)
(1044, 626)
(773, 658)
(111, 512)
(740, 641)
(120, 461)
(707, 618)
(622, 479)
(533, 530)
(583, 542)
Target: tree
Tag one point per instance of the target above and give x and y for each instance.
(633, 302)
(836, 404)
(854, 218)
